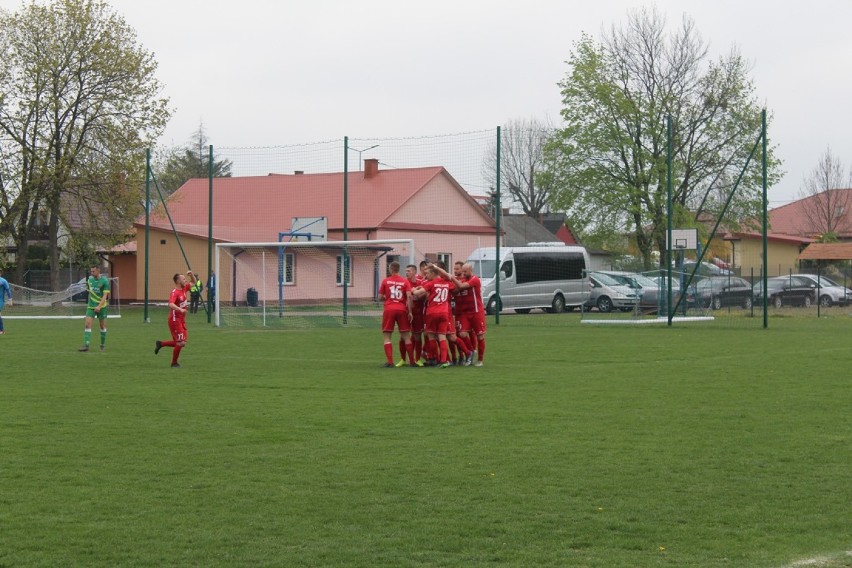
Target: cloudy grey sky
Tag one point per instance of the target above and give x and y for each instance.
(278, 72)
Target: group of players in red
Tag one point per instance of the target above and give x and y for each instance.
(440, 316)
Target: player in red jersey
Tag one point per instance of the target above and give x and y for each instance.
(395, 291)
(418, 323)
(457, 340)
(472, 311)
(438, 290)
(177, 316)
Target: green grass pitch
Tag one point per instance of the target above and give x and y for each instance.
(702, 445)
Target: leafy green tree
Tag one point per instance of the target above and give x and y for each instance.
(79, 103)
(610, 155)
(190, 161)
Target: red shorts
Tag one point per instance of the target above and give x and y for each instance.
(178, 329)
(418, 322)
(438, 323)
(400, 318)
(473, 322)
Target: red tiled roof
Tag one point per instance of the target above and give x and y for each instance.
(792, 219)
(257, 208)
(771, 236)
(827, 251)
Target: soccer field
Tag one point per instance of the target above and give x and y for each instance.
(696, 446)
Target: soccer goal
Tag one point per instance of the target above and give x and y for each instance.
(303, 284)
(70, 303)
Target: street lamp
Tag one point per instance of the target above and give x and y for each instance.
(360, 163)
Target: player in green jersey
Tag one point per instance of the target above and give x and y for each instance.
(98, 288)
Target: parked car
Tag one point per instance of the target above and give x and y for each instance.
(830, 292)
(705, 270)
(719, 291)
(651, 289)
(787, 291)
(608, 293)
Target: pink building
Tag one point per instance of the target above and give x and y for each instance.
(423, 204)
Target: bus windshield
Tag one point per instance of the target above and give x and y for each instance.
(485, 269)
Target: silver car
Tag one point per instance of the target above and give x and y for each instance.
(830, 292)
(651, 289)
(609, 293)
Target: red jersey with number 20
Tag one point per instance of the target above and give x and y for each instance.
(178, 298)
(439, 295)
(395, 290)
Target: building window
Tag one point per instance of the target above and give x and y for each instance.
(838, 211)
(288, 270)
(340, 270)
(447, 259)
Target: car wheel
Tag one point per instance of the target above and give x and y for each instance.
(747, 303)
(808, 302)
(492, 308)
(604, 304)
(558, 305)
(825, 301)
(777, 302)
(716, 303)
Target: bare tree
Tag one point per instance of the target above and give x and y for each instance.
(826, 198)
(522, 165)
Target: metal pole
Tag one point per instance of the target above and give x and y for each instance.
(145, 317)
(345, 268)
(668, 255)
(209, 227)
(498, 215)
(765, 225)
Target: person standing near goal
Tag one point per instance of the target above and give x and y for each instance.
(472, 311)
(395, 291)
(5, 292)
(98, 288)
(177, 317)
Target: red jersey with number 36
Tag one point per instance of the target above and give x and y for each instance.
(395, 289)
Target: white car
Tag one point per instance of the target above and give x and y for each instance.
(830, 292)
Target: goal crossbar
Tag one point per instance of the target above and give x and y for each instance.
(274, 263)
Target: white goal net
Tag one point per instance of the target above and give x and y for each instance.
(70, 303)
(303, 284)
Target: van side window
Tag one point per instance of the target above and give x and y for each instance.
(507, 268)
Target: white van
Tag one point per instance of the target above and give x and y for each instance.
(552, 278)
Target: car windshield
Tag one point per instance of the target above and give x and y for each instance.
(606, 279)
(645, 282)
(823, 281)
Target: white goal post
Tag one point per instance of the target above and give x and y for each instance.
(287, 284)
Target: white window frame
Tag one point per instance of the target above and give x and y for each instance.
(289, 262)
(339, 272)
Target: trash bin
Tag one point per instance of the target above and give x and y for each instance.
(251, 297)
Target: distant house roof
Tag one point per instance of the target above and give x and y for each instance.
(523, 229)
(257, 208)
(827, 251)
(557, 224)
(792, 218)
(770, 236)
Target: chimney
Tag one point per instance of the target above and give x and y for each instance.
(371, 168)
(298, 172)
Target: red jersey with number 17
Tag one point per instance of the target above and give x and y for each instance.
(395, 289)
(178, 298)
